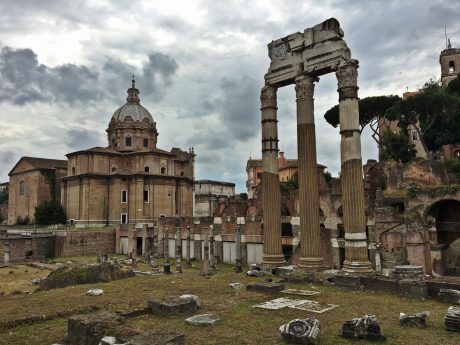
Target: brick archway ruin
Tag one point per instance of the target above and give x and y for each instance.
(300, 59)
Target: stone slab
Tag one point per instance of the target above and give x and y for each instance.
(417, 320)
(266, 287)
(172, 306)
(203, 320)
(277, 303)
(301, 292)
(450, 296)
(313, 306)
(158, 338)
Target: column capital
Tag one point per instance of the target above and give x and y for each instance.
(268, 96)
(347, 78)
(304, 86)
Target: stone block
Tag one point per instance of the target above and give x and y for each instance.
(450, 296)
(418, 320)
(365, 327)
(348, 281)
(413, 289)
(158, 338)
(90, 329)
(301, 331)
(266, 287)
(452, 319)
(173, 306)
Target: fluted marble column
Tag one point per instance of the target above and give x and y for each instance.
(354, 217)
(273, 253)
(311, 258)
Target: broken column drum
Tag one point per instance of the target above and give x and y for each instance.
(300, 59)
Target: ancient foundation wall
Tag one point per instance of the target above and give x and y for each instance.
(85, 242)
(17, 248)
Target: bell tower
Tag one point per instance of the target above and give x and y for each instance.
(450, 63)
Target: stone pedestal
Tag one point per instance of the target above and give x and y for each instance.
(311, 258)
(354, 217)
(273, 254)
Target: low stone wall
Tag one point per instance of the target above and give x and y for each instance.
(16, 248)
(85, 242)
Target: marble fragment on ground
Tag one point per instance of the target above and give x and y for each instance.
(450, 296)
(313, 306)
(365, 327)
(277, 303)
(301, 331)
(416, 320)
(452, 319)
(95, 292)
(301, 292)
(203, 320)
(236, 286)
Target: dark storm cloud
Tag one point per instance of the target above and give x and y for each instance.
(83, 138)
(7, 160)
(23, 79)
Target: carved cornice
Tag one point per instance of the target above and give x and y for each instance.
(304, 86)
(268, 97)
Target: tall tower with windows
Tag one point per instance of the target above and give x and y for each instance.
(450, 63)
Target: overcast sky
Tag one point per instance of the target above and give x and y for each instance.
(65, 67)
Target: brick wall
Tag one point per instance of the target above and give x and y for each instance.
(85, 242)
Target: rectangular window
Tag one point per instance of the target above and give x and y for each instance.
(414, 135)
(124, 218)
(146, 142)
(21, 188)
(124, 196)
(146, 196)
(128, 141)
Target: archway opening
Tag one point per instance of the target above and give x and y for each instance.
(444, 216)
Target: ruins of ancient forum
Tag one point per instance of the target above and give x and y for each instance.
(132, 197)
(130, 211)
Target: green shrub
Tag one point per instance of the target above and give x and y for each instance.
(48, 213)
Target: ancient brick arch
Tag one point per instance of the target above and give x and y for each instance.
(300, 59)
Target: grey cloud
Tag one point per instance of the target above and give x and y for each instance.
(83, 138)
(23, 79)
(7, 160)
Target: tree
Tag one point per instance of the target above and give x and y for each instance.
(243, 196)
(454, 86)
(4, 197)
(396, 146)
(433, 113)
(48, 213)
(371, 112)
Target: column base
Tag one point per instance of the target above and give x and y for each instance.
(357, 267)
(311, 264)
(273, 260)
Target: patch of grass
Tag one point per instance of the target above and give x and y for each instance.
(21, 278)
(241, 323)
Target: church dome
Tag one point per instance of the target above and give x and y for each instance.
(132, 108)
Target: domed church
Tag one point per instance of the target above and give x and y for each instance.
(131, 181)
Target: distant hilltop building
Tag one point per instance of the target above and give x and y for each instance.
(450, 63)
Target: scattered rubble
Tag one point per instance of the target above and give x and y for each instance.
(301, 331)
(255, 273)
(300, 292)
(450, 296)
(237, 286)
(74, 275)
(452, 319)
(365, 327)
(36, 281)
(277, 303)
(418, 320)
(313, 306)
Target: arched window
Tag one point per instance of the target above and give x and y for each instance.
(146, 142)
(163, 170)
(128, 141)
(451, 67)
(22, 188)
(73, 170)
